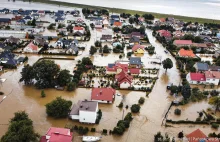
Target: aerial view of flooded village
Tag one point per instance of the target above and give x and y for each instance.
(110, 71)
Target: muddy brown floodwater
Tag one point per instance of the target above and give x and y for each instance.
(144, 125)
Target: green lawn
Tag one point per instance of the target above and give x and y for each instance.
(157, 15)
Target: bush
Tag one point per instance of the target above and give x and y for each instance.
(135, 108)
(128, 117)
(141, 100)
(177, 111)
(105, 131)
(43, 94)
(93, 129)
(215, 126)
(120, 105)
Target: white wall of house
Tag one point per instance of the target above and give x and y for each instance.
(188, 78)
(125, 85)
(87, 116)
(74, 117)
(212, 80)
(29, 50)
(102, 101)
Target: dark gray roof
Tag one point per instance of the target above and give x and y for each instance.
(135, 61)
(134, 39)
(84, 106)
(202, 66)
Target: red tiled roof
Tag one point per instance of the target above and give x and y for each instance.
(196, 135)
(62, 131)
(32, 46)
(123, 77)
(117, 24)
(134, 70)
(40, 11)
(118, 65)
(137, 46)
(197, 77)
(203, 45)
(105, 94)
(78, 28)
(212, 74)
(60, 138)
(43, 139)
(141, 19)
(183, 42)
(164, 33)
(186, 53)
(162, 19)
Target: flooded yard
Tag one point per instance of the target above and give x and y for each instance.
(142, 128)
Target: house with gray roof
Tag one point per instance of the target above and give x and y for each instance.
(214, 68)
(84, 111)
(201, 66)
(135, 62)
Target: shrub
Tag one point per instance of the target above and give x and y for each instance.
(105, 131)
(141, 100)
(43, 94)
(135, 108)
(215, 126)
(128, 117)
(200, 114)
(75, 128)
(198, 119)
(177, 111)
(93, 129)
(120, 105)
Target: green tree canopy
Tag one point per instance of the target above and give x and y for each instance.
(64, 77)
(167, 64)
(92, 50)
(27, 74)
(20, 129)
(216, 102)
(45, 73)
(186, 91)
(58, 108)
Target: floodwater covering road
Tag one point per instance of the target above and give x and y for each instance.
(143, 127)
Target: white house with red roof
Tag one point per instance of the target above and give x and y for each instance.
(212, 77)
(196, 78)
(164, 33)
(181, 43)
(103, 95)
(84, 111)
(31, 48)
(57, 135)
(123, 79)
(79, 29)
(117, 67)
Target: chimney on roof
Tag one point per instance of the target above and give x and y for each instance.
(81, 106)
(101, 92)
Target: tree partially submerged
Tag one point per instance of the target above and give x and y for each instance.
(216, 102)
(167, 64)
(58, 108)
(20, 129)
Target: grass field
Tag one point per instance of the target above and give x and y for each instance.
(114, 10)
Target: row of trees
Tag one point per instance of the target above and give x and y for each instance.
(47, 74)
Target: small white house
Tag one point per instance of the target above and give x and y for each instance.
(212, 77)
(84, 111)
(31, 48)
